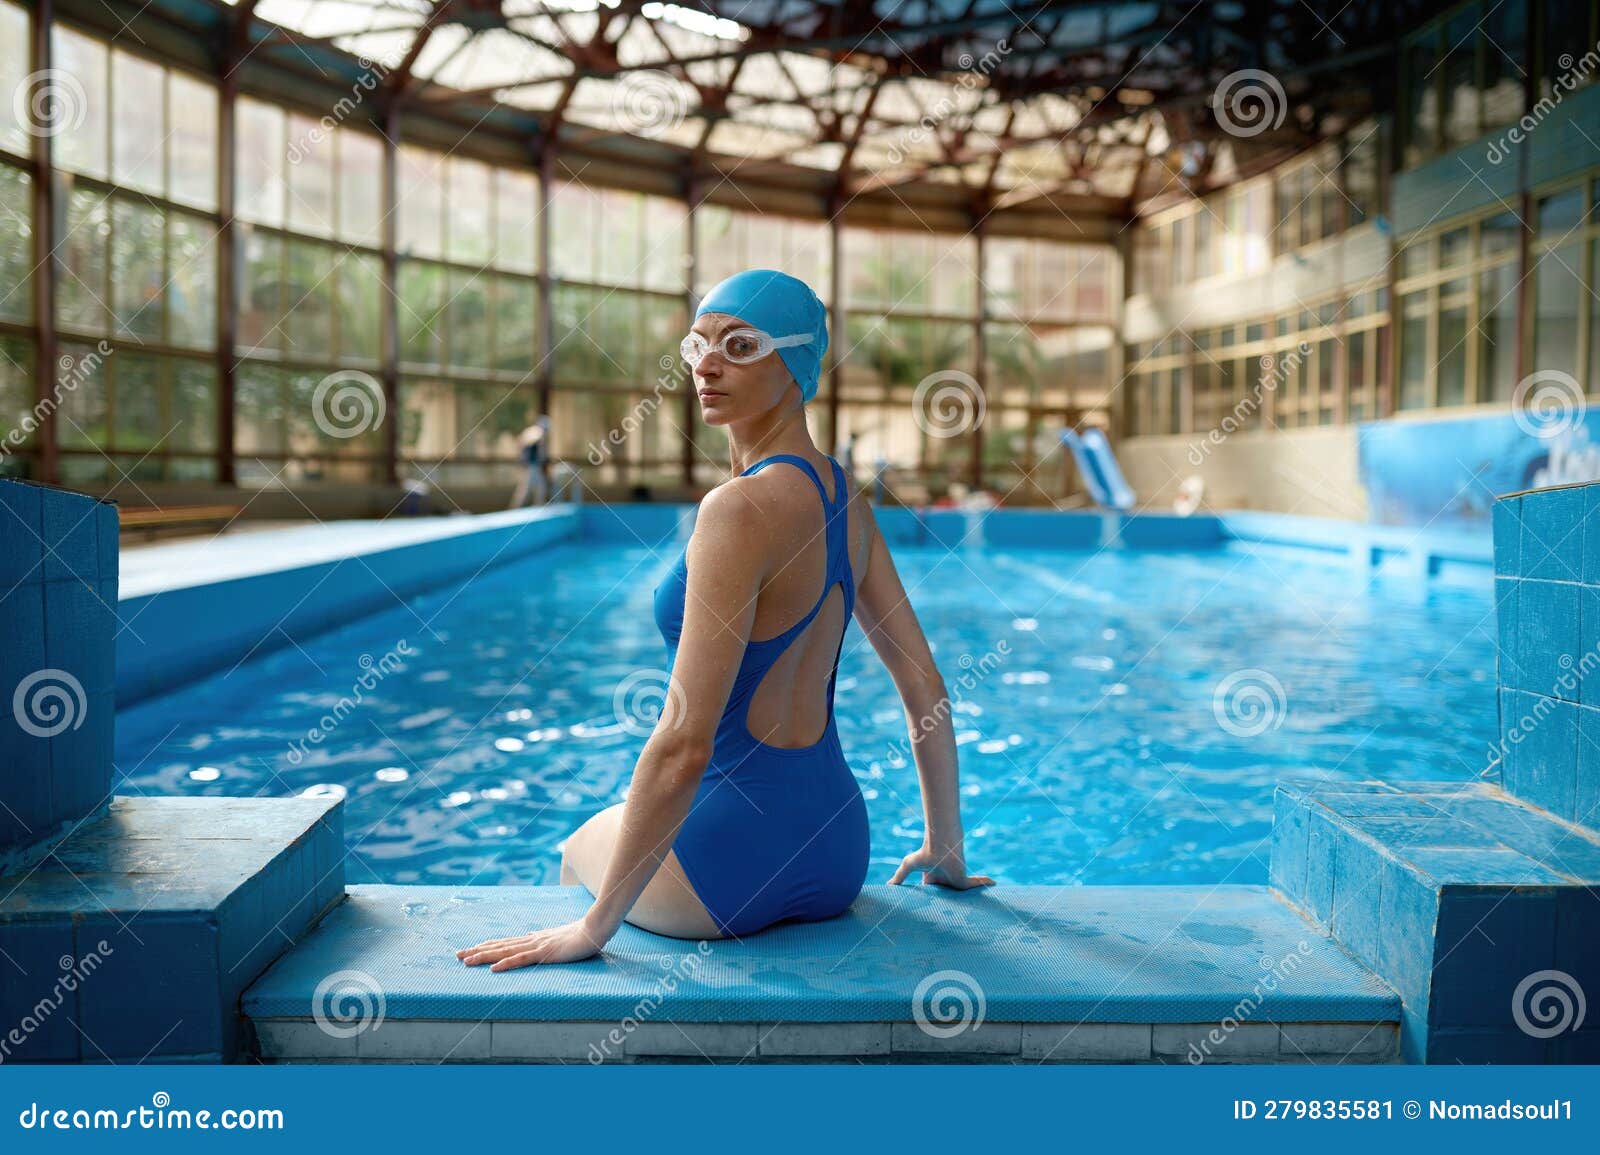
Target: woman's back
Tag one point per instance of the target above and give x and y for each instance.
(778, 827)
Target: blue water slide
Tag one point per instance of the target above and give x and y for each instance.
(1097, 465)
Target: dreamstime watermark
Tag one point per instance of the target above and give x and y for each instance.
(1548, 1003)
(646, 700)
(373, 74)
(1574, 74)
(947, 403)
(74, 971)
(74, 371)
(650, 100)
(373, 673)
(668, 381)
(348, 403)
(1248, 703)
(973, 70)
(1573, 671)
(1249, 102)
(160, 1115)
(348, 1003)
(1244, 1010)
(49, 702)
(49, 102)
(948, 1003)
(1547, 403)
(1275, 371)
(973, 671)
(677, 972)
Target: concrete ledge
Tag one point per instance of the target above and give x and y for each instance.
(1472, 904)
(1048, 974)
(133, 940)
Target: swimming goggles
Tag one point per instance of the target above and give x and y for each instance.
(738, 346)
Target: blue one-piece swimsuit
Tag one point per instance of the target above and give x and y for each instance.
(775, 832)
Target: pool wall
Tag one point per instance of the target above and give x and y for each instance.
(57, 619)
(173, 636)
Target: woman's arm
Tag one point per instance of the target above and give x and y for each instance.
(727, 562)
(887, 619)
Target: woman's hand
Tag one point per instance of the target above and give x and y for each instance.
(946, 867)
(573, 942)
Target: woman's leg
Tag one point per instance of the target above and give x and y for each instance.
(668, 905)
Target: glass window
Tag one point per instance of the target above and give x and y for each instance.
(360, 188)
(193, 407)
(421, 309)
(1557, 289)
(81, 142)
(516, 224)
(1459, 77)
(1452, 381)
(309, 290)
(310, 170)
(1413, 351)
(468, 218)
(1497, 332)
(1361, 173)
(139, 123)
(191, 284)
(81, 420)
(260, 325)
(1421, 117)
(16, 246)
(16, 393)
(1505, 59)
(82, 296)
(420, 206)
(360, 289)
(468, 319)
(260, 191)
(137, 288)
(1502, 233)
(14, 33)
(192, 151)
(516, 310)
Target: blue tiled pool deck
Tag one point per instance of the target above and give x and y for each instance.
(1403, 921)
(1123, 959)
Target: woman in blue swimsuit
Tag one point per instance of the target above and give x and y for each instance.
(742, 811)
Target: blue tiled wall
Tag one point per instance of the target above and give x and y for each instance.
(1547, 602)
(58, 598)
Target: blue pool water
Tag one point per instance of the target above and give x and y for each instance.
(1121, 716)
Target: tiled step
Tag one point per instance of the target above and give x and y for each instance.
(1460, 896)
(1032, 973)
(133, 940)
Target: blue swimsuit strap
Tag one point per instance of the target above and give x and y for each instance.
(829, 508)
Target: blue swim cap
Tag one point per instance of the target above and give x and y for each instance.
(781, 306)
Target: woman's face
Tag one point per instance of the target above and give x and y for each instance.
(730, 392)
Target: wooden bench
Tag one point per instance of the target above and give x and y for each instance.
(152, 519)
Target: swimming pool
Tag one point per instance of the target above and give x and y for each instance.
(1122, 715)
